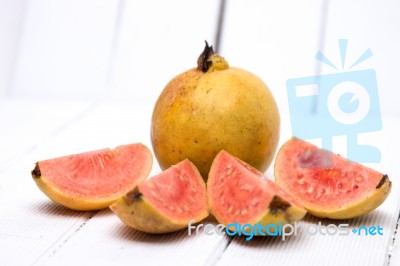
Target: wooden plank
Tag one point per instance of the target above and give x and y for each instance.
(11, 16)
(157, 41)
(25, 124)
(392, 256)
(31, 223)
(113, 242)
(367, 25)
(62, 234)
(65, 49)
(274, 40)
(107, 124)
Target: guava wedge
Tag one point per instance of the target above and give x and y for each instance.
(93, 180)
(166, 202)
(238, 193)
(326, 184)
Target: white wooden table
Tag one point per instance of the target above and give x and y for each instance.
(92, 83)
(35, 230)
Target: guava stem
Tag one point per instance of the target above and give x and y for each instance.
(278, 204)
(36, 171)
(203, 62)
(383, 180)
(132, 196)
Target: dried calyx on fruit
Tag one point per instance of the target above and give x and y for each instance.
(215, 107)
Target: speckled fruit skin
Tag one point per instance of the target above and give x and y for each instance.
(200, 113)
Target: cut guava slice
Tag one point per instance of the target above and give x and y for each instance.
(326, 184)
(239, 193)
(166, 202)
(93, 180)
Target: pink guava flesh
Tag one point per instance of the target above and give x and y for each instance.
(321, 178)
(239, 193)
(177, 192)
(97, 174)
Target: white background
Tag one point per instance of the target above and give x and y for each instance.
(88, 49)
(79, 75)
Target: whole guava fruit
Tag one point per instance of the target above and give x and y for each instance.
(211, 108)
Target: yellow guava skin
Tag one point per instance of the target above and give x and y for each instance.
(364, 206)
(225, 108)
(142, 216)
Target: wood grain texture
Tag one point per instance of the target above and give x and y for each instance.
(87, 74)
